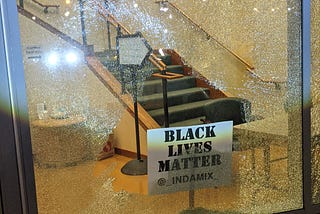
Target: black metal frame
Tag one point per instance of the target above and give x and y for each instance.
(17, 187)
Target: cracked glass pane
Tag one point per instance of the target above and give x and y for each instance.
(207, 57)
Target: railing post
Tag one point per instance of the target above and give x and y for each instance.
(165, 99)
(108, 25)
(83, 30)
(21, 3)
(109, 36)
(122, 81)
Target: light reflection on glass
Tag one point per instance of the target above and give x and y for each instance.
(53, 59)
(163, 6)
(71, 57)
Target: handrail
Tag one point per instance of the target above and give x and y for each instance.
(46, 6)
(145, 120)
(249, 67)
(50, 28)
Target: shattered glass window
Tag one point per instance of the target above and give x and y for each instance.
(219, 60)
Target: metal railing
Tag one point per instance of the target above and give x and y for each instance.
(111, 19)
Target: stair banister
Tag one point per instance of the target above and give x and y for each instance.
(248, 65)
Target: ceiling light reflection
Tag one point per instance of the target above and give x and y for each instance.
(53, 59)
(71, 57)
(62, 58)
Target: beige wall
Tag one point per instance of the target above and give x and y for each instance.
(70, 86)
(255, 30)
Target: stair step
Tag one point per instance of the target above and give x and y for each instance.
(178, 69)
(155, 86)
(180, 112)
(155, 101)
(166, 59)
(189, 122)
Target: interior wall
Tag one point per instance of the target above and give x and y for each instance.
(69, 87)
(255, 30)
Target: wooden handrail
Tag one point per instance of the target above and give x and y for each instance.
(249, 67)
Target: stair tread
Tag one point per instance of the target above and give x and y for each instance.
(159, 81)
(155, 85)
(173, 93)
(171, 68)
(166, 58)
(189, 122)
(176, 108)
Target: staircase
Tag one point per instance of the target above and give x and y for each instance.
(186, 98)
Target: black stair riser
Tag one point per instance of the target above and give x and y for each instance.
(155, 86)
(181, 112)
(174, 98)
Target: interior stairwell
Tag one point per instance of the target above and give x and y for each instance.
(187, 96)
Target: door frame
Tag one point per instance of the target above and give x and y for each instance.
(17, 183)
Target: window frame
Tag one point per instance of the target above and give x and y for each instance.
(17, 184)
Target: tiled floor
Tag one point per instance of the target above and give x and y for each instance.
(100, 187)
